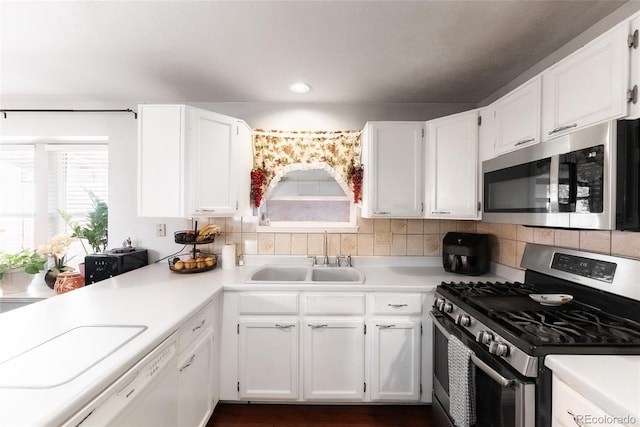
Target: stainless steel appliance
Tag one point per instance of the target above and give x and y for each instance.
(507, 334)
(466, 253)
(568, 181)
(112, 263)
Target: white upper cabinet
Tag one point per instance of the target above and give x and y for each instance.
(393, 159)
(452, 167)
(517, 118)
(191, 162)
(588, 86)
(634, 68)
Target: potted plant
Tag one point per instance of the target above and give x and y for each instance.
(56, 249)
(16, 269)
(94, 230)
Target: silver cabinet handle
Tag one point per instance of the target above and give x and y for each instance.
(504, 382)
(189, 362)
(323, 325)
(561, 128)
(524, 141)
(195, 328)
(386, 326)
(575, 418)
(281, 326)
(398, 305)
(382, 213)
(441, 212)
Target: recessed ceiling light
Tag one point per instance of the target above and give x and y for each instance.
(300, 87)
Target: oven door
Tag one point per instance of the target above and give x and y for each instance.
(502, 398)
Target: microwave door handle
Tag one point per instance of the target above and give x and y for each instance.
(554, 172)
(504, 382)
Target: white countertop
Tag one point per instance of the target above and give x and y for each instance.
(161, 300)
(610, 382)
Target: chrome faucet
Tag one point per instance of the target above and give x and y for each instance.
(325, 260)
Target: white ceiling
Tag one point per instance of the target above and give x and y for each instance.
(250, 51)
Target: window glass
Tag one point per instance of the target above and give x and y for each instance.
(62, 175)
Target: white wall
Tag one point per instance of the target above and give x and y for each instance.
(121, 129)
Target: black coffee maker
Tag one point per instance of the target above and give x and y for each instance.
(466, 253)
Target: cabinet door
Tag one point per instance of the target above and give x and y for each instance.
(570, 408)
(395, 360)
(334, 360)
(452, 165)
(268, 359)
(393, 157)
(195, 398)
(634, 70)
(161, 161)
(517, 118)
(211, 148)
(587, 87)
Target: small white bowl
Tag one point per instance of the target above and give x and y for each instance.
(551, 299)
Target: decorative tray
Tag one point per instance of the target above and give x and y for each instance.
(551, 299)
(186, 263)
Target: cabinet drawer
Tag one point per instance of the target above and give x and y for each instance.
(194, 327)
(268, 303)
(570, 408)
(404, 304)
(335, 304)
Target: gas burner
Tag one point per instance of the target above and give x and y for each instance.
(476, 289)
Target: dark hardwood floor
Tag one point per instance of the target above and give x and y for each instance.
(258, 415)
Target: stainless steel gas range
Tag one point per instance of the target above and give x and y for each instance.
(498, 333)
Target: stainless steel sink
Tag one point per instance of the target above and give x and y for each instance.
(305, 275)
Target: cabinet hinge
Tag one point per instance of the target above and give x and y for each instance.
(421, 330)
(238, 385)
(365, 387)
(238, 328)
(423, 132)
(479, 206)
(236, 205)
(479, 120)
(420, 389)
(237, 130)
(422, 207)
(632, 40)
(365, 329)
(632, 95)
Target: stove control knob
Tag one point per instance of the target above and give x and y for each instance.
(438, 301)
(447, 307)
(463, 320)
(499, 349)
(484, 337)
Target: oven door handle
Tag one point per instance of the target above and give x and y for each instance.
(504, 382)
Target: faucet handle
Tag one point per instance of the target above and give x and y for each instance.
(338, 258)
(349, 261)
(314, 260)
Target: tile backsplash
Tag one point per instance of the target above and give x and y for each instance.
(419, 237)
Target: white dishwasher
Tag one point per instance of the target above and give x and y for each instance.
(146, 395)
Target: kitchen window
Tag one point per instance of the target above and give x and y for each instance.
(43, 176)
(307, 199)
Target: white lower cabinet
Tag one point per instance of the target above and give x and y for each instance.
(195, 395)
(569, 408)
(395, 360)
(325, 347)
(334, 359)
(268, 359)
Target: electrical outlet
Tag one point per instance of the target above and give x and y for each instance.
(161, 230)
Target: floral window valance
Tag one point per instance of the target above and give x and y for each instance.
(277, 152)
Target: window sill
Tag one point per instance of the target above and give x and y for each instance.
(291, 227)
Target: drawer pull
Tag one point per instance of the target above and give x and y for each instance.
(398, 305)
(199, 326)
(189, 362)
(524, 141)
(441, 212)
(386, 326)
(381, 213)
(281, 326)
(561, 128)
(575, 418)
(324, 325)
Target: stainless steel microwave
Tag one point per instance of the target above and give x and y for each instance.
(567, 182)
